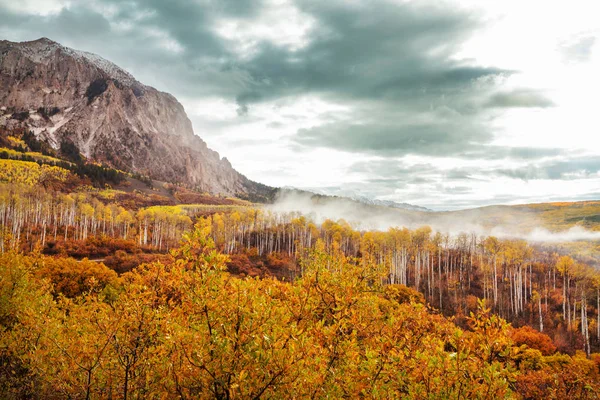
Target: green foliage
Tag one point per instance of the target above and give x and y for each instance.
(100, 175)
(47, 112)
(69, 150)
(41, 153)
(6, 153)
(35, 145)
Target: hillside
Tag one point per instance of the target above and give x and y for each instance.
(304, 304)
(503, 220)
(68, 96)
(188, 329)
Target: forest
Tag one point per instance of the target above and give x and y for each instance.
(112, 292)
(526, 284)
(299, 199)
(190, 329)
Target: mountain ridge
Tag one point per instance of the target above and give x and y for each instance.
(356, 197)
(62, 94)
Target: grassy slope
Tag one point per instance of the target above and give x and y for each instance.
(551, 216)
(554, 217)
(559, 216)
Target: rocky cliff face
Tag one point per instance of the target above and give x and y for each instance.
(63, 94)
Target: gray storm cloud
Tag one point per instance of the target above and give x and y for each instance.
(395, 67)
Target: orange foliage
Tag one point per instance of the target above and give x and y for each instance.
(240, 264)
(93, 246)
(122, 262)
(403, 294)
(533, 339)
(471, 302)
(73, 278)
(560, 377)
(191, 330)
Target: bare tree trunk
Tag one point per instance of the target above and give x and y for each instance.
(540, 312)
(564, 296)
(495, 280)
(440, 277)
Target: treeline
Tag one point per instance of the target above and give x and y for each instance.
(99, 175)
(520, 282)
(191, 330)
(31, 216)
(525, 284)
(23, 145)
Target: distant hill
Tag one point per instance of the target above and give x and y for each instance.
(530, 221)
(361, 198)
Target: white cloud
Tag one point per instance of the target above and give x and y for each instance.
(39, 7)
(280, 23)
(554, 47)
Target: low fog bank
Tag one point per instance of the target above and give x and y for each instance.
(359, 215)
(500, 221)
(574, 234)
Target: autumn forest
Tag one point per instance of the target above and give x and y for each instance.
(109, 293)
(353, 200)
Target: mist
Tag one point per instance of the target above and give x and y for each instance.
(501, 221)
(574, 234)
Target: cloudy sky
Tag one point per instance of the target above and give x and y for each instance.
(444, 104)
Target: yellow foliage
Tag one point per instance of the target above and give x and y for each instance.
(16, 142)
(30, 173)
(190, 330)
(33, 154)
(11, 153)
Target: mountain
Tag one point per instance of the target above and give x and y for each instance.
(66, 95)
(360, 198)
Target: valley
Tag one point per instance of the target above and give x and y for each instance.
(136, 262)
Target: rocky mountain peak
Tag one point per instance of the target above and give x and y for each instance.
(43, 50)
(64, 94)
